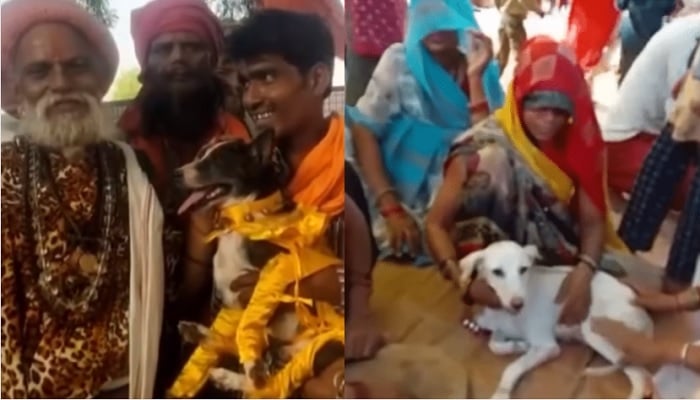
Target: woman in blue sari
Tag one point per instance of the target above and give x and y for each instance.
(424, 92)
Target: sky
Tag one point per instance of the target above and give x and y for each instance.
(127, 57)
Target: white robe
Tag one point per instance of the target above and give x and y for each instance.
(147, 281)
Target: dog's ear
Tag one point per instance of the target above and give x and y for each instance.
(533, 253)
(264, 145)
(471, 265)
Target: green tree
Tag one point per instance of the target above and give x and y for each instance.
(100, 9)
(233, 9)
(126, 86)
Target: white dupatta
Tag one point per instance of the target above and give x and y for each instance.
(147, 281)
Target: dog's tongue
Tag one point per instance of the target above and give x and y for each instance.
(191, 200)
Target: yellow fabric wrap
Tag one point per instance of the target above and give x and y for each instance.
(561, 185)
(221, 340)
(301, 233)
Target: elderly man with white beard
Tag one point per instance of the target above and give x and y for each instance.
(82, 263)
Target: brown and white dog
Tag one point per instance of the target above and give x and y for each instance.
(232, 172)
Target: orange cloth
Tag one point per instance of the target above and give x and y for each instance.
(330, 10)
(320, 179)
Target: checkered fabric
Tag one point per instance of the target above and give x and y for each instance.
(662, 172)
(686, 242)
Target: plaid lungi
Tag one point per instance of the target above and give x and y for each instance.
(661, 173)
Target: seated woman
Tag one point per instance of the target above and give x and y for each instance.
(423, 93)
(532, 173)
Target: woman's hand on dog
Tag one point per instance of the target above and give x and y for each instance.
(656, 301)
(575, 295)
(636, 347)
(479, 292)
(363, 339)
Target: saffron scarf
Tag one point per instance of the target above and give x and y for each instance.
(578, 162)
(319, 181)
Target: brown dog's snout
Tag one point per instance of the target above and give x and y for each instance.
(179, 177)
(517, 303)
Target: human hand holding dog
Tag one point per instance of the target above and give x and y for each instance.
(660, 302)
(321, 286)
(363, 339)
(481, 293)
(201, 224)
(637, 348)
(575, 295)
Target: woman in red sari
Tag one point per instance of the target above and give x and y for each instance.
(532, 173)
(592, 24)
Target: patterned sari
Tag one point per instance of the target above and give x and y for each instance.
(415, 108)
(523, 192)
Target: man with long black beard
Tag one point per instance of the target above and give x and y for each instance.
(179, 108)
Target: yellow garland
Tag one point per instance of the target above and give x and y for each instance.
(300, 233)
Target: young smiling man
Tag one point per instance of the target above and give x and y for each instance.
(284, 65)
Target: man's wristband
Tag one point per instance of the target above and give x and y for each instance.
(588, 261)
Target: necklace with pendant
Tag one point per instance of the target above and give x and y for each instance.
(71, 286)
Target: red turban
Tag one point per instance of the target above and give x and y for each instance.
(18, 16)
(164, 16)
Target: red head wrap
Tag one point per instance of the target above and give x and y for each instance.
(547, 65)
(164, 16)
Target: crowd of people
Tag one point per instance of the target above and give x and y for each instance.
(450, 164)
(99, 265)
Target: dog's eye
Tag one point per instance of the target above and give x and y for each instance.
(498, 272)
(523, 270)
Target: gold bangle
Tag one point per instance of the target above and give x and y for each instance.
(383, 193)
(589, 261)
(684, 354)
(339, 384)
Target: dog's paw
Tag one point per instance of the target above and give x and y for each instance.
(255, 372)
(501, 393)
(230, 299)
(192, 332)
(227, 380)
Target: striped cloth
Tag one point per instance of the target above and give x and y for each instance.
(661, 173)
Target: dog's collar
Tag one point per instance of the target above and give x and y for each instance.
(261, 220)
(249, 211)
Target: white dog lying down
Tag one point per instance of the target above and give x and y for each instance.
(528, 322)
